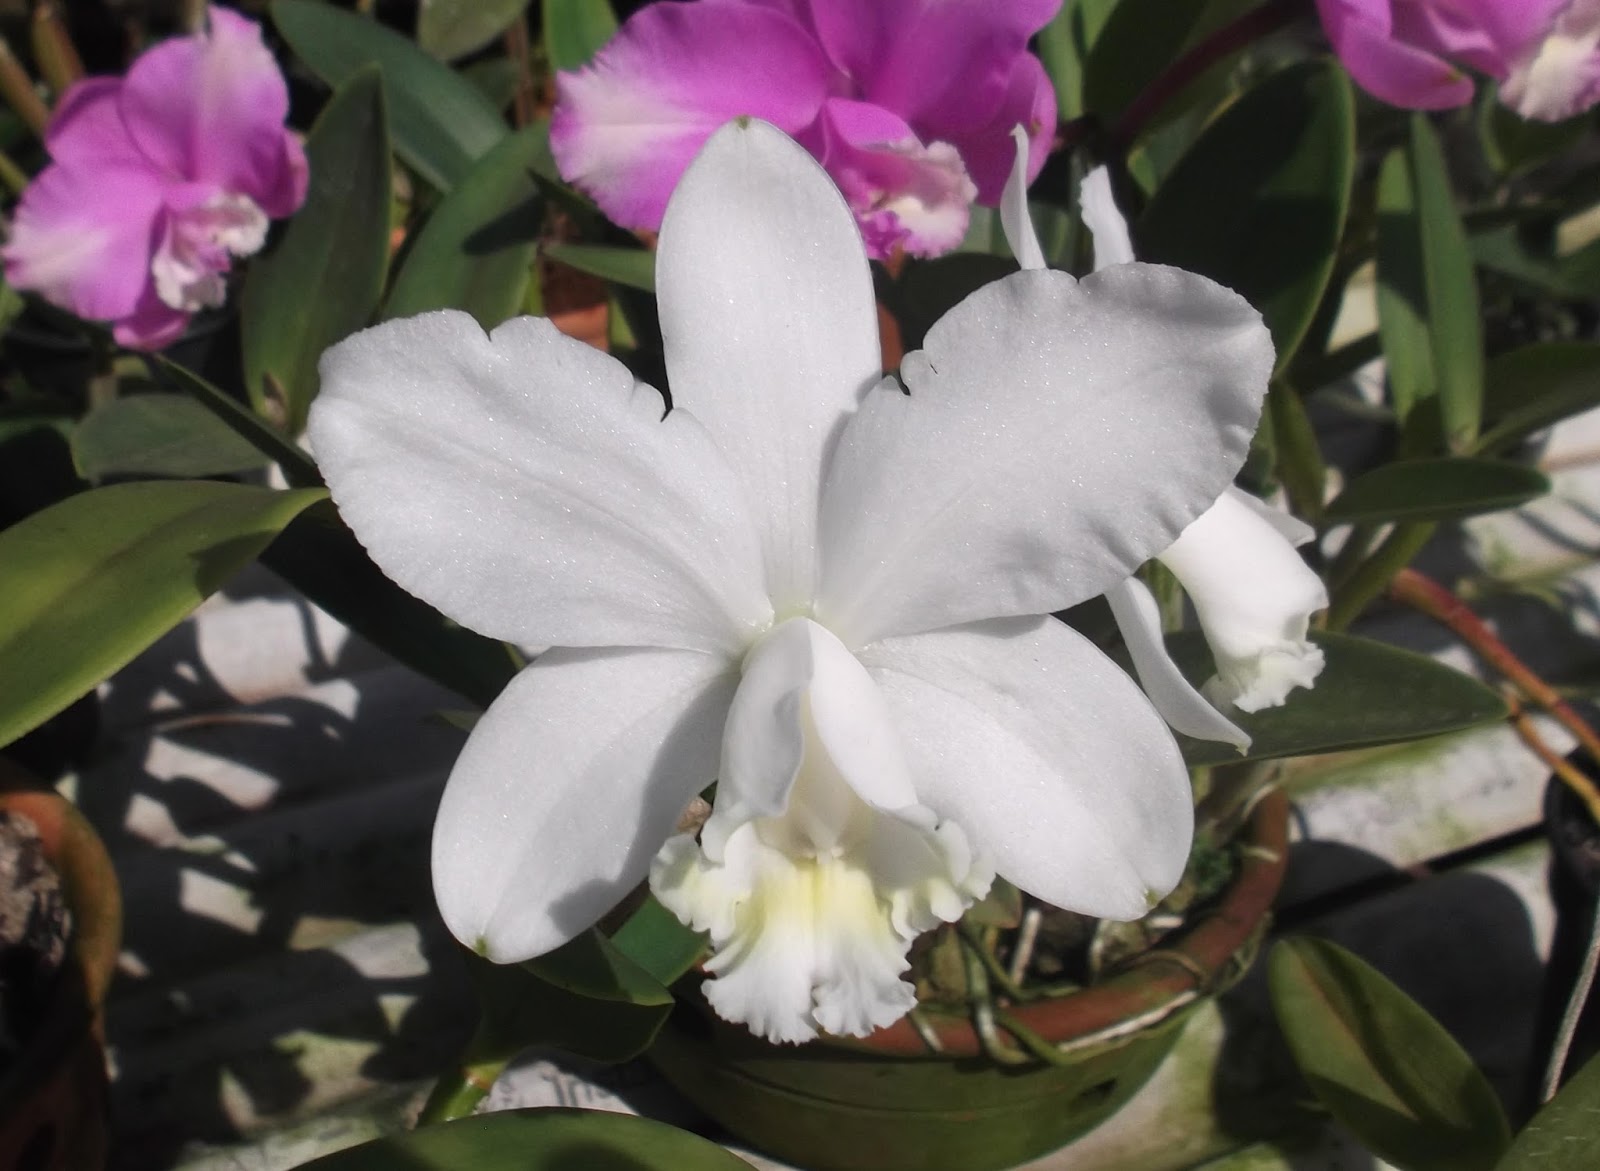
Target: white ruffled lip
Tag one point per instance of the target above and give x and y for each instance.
(817, 868)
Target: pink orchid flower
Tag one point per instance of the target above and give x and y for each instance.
(157, 180)
(908, 104)
(1544, 53)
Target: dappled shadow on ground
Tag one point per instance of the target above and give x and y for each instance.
(268, 806)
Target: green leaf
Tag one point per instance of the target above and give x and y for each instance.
(477, 250)
(90, 582)
(1513, 143)
(633, 268)
(296, 466)
(1369, 693)
(574, 30)
(1427, 293)
(1258, 203)
(591, 965)
(1138, 41)
(1503, 251)
(498, 79)
(1064, 45)
(322, 282)
(1531, 388)
(1385, 1068)
(441, 122)
(321, 558)
(167, 435)
(1435, 490)
(1563, 1136)
(656, 939)
(585, 998)
(448, 29)
(538, 1140)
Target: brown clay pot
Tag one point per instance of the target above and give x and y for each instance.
(889, 1101)
(53, 1097)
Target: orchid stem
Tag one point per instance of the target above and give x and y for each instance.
(17, 89)
(1574, 777)
(13, 176)
(1226, 41)
(457, 1092)
(1575, 1006)
(1423, 593)
(1373, 575)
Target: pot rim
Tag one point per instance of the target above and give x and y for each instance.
(1150, 989)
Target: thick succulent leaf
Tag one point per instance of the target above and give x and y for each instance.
(441, 122)
(1368, 693)
(574, 30)
(477, 249)
(1563, 1136)
(1385, 1068)
(1428, 310)
(1435, 490)
(1258, 203)
(453, 28)
(323, 279)
(165, 435)
(94, 580)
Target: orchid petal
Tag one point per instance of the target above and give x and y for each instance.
(529, 488)
(1015, 219)
(1183, 707)
(83, 235)
(568, 787)
(1254, 597)
(211, 108)
(1047, 755)
(1029, 101)
(770, 327)
(87, 127)
(800, 680)
(944, 506)
(1558, 76)
(1399, 73)
(626, 126)
(1112, 244)
(942, 64)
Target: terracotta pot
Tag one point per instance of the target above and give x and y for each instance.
(53, 1097)
(889, 1102)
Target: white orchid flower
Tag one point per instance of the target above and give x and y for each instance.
(825, 589)
(1252, 592)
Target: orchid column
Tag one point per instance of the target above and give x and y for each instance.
(826, 590)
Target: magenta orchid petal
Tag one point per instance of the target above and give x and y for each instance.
(152, 325)
(908, 103)
(943, 65)
(83, 237)
(1401, 74)
(1029, 102)
(158, 181)
(211, 107)
(1546, 53)
(87, 127)
(626, 126)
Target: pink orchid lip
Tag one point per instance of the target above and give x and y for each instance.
(139, 165)
(928, 93)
